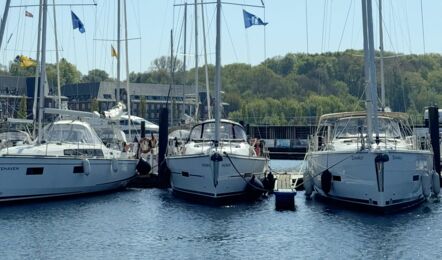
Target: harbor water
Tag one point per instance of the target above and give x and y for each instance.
(153, 224)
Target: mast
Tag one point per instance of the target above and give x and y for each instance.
(3, 22)
(368, 102)
(381, 48)
(185, 54)
(373, 81)
(171, 75)
(43, 71)
(117, 95)
(209, 110)
(56, 57)
(370, 72)
(37, 70)
(127, 72)
(218, 72)
(196, 62)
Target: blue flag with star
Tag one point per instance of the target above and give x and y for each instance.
(251, 19)
(76, 23)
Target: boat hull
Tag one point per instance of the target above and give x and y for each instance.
(37, 177)
(379, 179)
(200, 176)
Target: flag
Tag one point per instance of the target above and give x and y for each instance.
(76, 23)
(25, 62)
(28, 14)
(250, 19)
(114, 53)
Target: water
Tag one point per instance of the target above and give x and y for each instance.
(153, 224)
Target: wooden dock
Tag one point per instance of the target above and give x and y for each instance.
(285, 190)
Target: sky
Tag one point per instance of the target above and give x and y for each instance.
(294, 26)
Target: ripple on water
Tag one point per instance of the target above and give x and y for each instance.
(152, 223)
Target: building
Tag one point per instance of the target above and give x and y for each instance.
(102, 95)
(13, 89)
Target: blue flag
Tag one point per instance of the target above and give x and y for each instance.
(251, 19)
(76, 23)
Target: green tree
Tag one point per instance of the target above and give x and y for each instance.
(94, 105)
(22, 112)
(95, 75)
(142, 107)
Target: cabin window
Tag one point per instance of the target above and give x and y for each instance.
(34, 171)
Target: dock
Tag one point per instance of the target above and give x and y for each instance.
(285, 190)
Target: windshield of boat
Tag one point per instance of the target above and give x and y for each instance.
(71, 133)
(228, 131)
(15, 136)
(353, 126)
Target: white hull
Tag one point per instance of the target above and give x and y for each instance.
(198, 175)
(356, 180)
(31, 177)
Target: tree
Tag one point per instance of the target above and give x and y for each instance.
(94, 105)
(68, 73)
(142, 106)
(23, 111)
(95, 75)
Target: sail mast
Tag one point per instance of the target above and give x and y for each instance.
(381, 49)
(3, 22)
(57, 58)
(127, 72)
(37, 71)
(209, 110)
(117, 95)
(185, 56)
(218, 72)
(373, 81)
(43, 72)
(196, 62)
(368, 102)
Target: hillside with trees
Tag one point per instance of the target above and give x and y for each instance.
(295, 87)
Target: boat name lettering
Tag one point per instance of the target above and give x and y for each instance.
(357, 157)
(397, 157)
(9, 168)
(205, 165)
(225, 165)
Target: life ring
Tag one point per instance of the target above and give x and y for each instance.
(145, 145)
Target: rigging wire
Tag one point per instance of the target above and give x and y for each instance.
(345, 25)
(230, 35)
(306, 23)
(422, 24)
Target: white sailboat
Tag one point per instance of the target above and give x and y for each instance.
(216, 162)
(369, 158)
(69, 157)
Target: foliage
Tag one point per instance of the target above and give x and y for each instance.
(95, 75)
(94, 105)
(22, 112)
(289, 89)
(142, 107)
